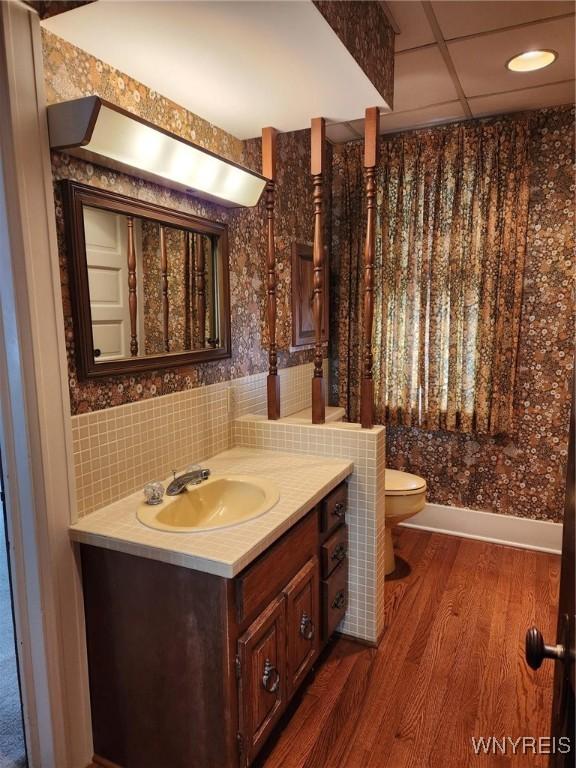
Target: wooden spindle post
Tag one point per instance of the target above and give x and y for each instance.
(200, 288)
(371, 124)
(269, 170)
(318, 136)
(187, 309)
(164, 280)
(132, 300)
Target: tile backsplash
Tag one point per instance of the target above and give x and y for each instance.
(117, 450)
(366, 498)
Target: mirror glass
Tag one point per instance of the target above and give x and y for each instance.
(154, 289)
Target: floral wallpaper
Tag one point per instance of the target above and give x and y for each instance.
(522, 473)
(294, 213)
(364, 29)
(70, 73)
(47, 8)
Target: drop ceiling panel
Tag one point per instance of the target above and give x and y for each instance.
(470, 18)
(530, 98)
(240, 65)
(414, 27)
(399, 121)
(421, 78)
(480, 62)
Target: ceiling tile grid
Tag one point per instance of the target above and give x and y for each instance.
(459, 19)
(480, 62)
(450, 60)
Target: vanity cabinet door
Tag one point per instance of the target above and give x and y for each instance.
(262, 685)
(334, 599)
(302, 624)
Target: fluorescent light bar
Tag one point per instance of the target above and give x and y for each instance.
(103, 133)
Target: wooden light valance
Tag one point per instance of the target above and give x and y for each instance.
(318, 139)
(371, 124)
(269, 171)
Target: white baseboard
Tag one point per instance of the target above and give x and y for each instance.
(540, 535)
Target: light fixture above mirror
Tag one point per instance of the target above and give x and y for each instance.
(103, 133)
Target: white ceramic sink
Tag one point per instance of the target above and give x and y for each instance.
(219, 502)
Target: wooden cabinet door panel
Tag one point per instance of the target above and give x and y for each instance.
(302, 623)
(262, 688)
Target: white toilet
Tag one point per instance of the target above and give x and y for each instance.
(405, 496)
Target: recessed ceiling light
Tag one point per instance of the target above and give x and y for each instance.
(531, 60)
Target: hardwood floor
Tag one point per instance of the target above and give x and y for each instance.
(450, 666)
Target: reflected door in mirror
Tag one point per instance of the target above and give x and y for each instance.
(106, 256)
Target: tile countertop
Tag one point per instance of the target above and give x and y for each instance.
(303, 482)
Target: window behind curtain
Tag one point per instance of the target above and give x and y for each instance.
(453, 210)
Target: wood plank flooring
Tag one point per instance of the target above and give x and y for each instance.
(450, 666)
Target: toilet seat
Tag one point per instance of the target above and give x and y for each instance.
(398, 483)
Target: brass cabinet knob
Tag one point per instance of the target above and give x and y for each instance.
(339, 601)
(340, 552)
(339, 510)
(307, 627)
(271, 677)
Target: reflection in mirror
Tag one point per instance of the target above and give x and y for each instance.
(154, 289)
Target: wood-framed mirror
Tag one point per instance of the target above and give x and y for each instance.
(150, 286)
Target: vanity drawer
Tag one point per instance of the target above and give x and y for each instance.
(261, 581)
(334, 550)
(334, 599)
(333, 509)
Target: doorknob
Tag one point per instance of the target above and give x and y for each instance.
(537, 650)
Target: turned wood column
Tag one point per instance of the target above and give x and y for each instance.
(165, 300)
(370, 161)
(318, 135)
(187, 292)
(269, 171)
(200, 265)
(132, 300)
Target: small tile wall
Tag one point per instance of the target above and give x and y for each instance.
(117, 450)
(365, 516)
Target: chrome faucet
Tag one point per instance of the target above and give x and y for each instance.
(192, 476)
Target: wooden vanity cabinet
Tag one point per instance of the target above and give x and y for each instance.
(192, 670)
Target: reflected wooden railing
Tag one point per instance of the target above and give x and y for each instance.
(165, 298)
(200, 270)
(194, 301)
(187, 292)
(132, 299)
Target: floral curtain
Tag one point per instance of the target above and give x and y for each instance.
(453, 210)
